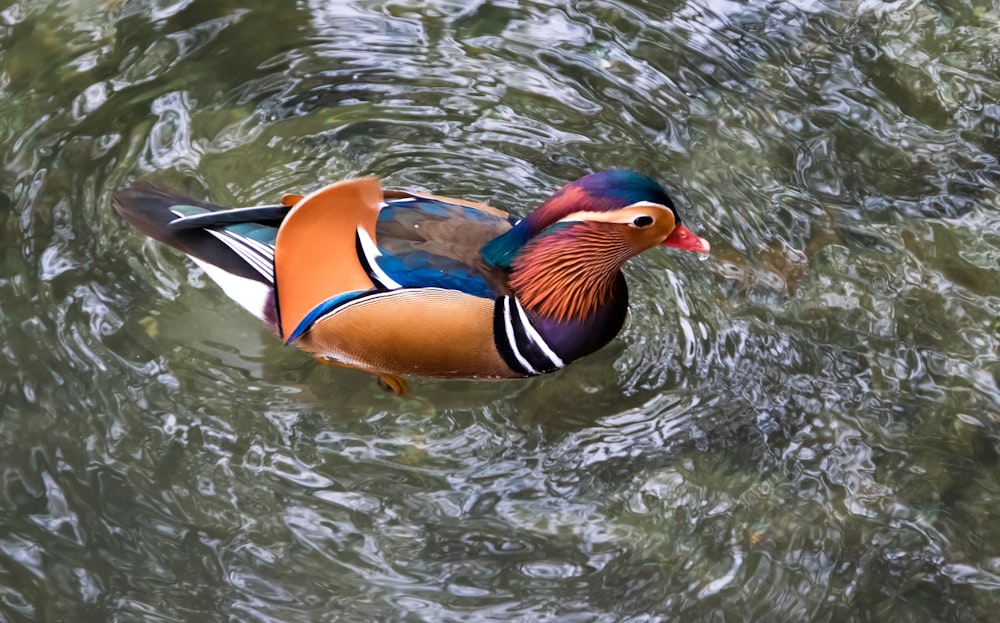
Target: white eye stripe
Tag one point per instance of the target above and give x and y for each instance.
(646, 204)
(625, 215)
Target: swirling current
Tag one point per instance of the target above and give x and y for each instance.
(801, 427)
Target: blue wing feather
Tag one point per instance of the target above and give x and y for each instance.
(427, 242)
(422, 270)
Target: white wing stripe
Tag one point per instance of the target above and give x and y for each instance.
(263, 263)
(263, 249)
(260, 261)
(372, 253)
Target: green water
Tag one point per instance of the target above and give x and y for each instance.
(803, 427)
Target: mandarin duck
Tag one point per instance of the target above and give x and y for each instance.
(404, 283)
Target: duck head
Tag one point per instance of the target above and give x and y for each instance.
(603, 192)
(572, 269)
(563, 261)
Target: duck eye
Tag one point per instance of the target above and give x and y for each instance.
(642, 221)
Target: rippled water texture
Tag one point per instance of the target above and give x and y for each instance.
(803, 427)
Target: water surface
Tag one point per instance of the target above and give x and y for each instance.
(803, 427)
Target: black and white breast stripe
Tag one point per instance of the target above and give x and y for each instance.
(519, 343)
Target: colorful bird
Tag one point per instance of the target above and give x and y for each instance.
(398, 283)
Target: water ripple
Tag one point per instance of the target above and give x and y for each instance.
(802, 427)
